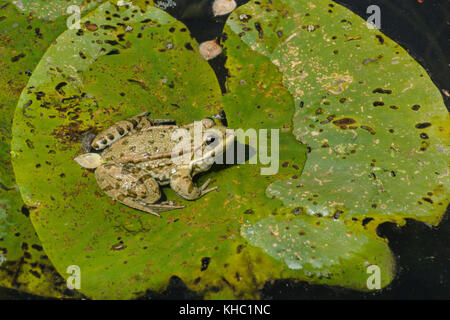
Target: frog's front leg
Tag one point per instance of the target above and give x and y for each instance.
(132, 187)
(181, 182)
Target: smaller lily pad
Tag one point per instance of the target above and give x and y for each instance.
(322, 250)
(377, 143)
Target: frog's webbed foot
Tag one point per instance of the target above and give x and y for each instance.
(142, 207)
(204, 186)
(154, 208)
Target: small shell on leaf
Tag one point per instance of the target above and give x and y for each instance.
(223, 7)
(210, 49)
(89, 160)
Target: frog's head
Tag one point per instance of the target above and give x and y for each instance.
(216, 139)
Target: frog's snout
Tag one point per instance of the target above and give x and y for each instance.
(89, 160)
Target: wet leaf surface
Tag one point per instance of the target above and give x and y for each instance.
(330, 252)
(375, 126)
(322, 250)
(23, 40)
(122, 252)
(314, 74)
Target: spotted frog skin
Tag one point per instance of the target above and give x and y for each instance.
(135, 159)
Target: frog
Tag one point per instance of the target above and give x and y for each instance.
(135, 157)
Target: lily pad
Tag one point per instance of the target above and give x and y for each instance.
(323, 250)
(23, 40)
(88, 80)
(374, 123)
(373, 119)
(330, 253)
(256, 97)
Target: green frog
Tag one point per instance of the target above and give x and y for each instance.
(138, 155)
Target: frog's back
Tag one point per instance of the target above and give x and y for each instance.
(145, 143)
(150, 150)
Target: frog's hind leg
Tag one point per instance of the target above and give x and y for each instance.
(132, 187)
(120, 129)
(153, 208)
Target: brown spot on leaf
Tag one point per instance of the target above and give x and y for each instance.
(344, 122)
(91, 26)
(68, 134)
(371, 130)
(423, 125)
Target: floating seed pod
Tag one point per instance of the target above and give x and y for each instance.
(223, 7)
(210, 49)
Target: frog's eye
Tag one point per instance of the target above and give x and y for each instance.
(210, 140)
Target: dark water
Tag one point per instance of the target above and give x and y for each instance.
(422, 252)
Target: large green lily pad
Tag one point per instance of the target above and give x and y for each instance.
(89, 80)
(23, 40)
(375, 126)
